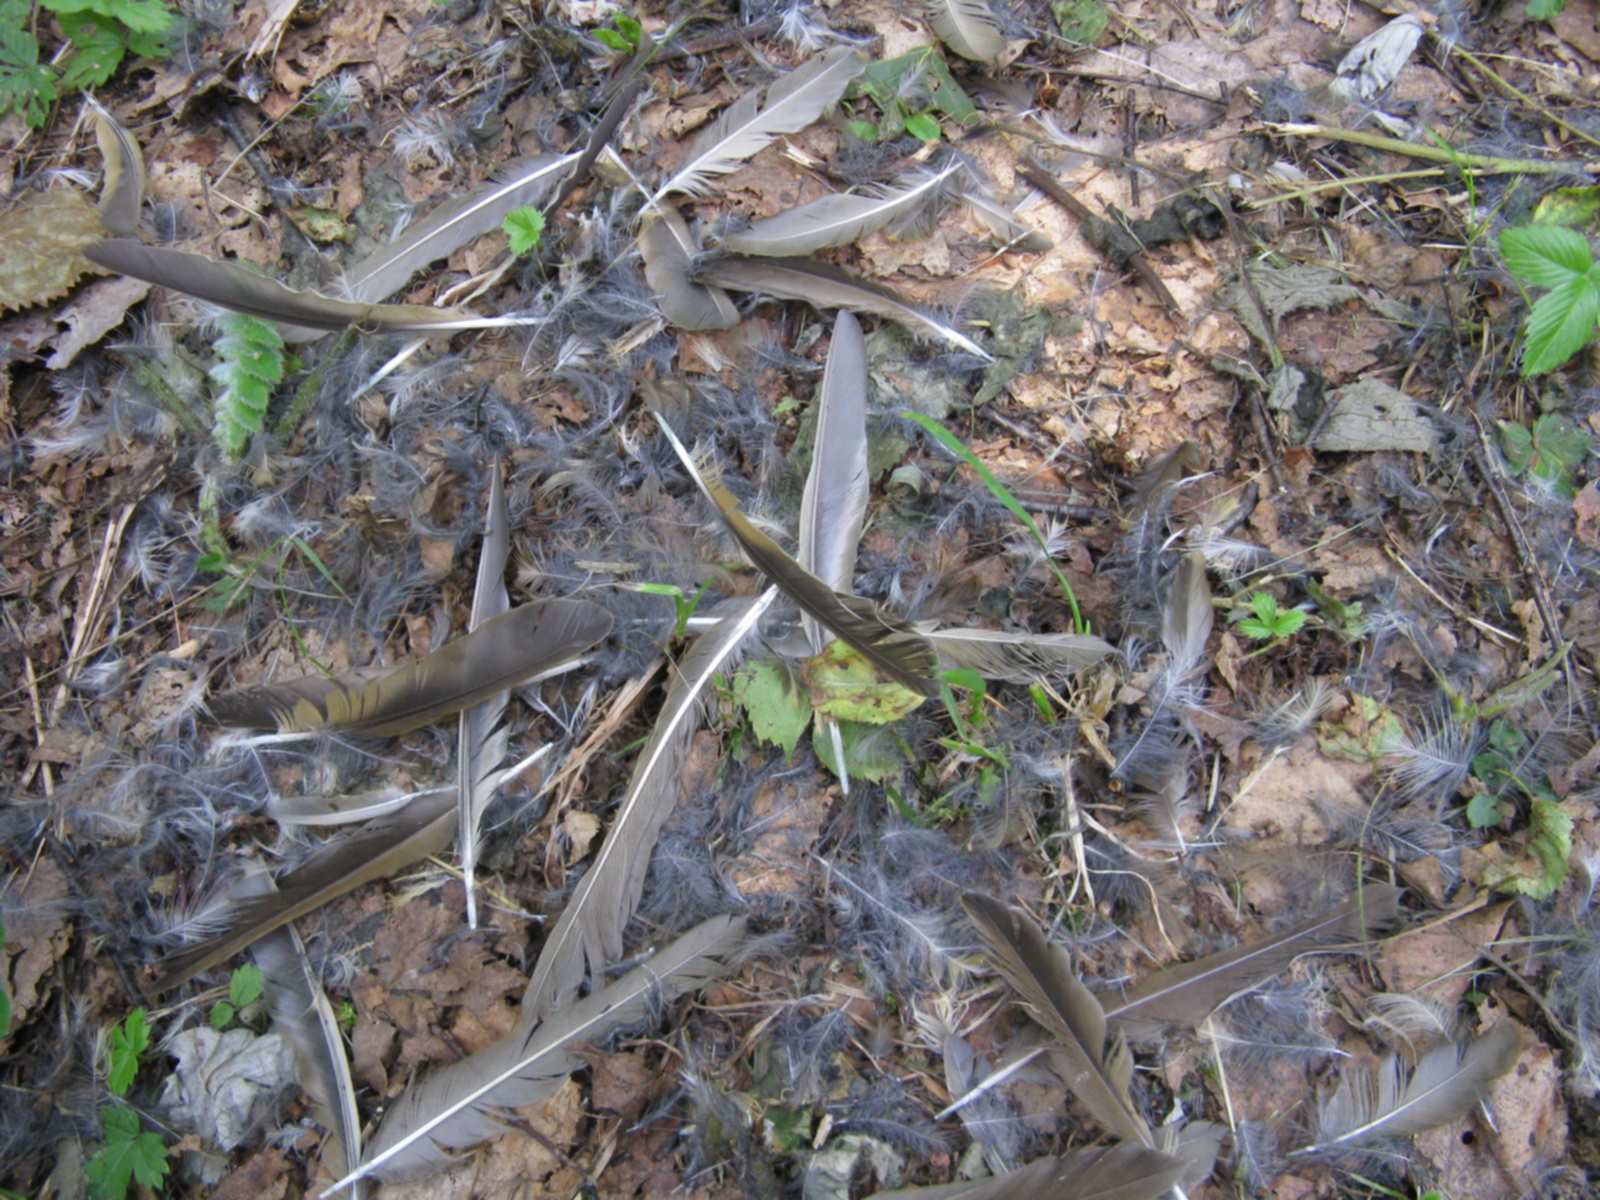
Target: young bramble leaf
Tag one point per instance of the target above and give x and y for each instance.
(1545, 255)
(246, 985)
(128, 1155)
(222, 1015)
(1561, 322)
(1483, 811)
(128, 1041)
(523, 228)
(778, 712)
(250, 362)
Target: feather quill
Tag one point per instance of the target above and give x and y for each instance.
(667, 249)
(1448, 1081)
(1126, 1171)
(231, 286)
(1017, 657)
(889, 643)
(453, 224)
(122, 192)
(833, 507)
(483, 738)
(840, 219)
(826, 287)
(456, 1107)
(302, 1014)
(588, 935)
(376, 851)
(1186, 994)
(968, 27)
(503, 652)
(1098, 1070)
(791, 102)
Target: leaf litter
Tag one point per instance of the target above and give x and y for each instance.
(1336, 347)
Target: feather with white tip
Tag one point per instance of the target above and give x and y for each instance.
(315, 811)
(456, 1107)
(789, 104)
(588, 935)
(825, 287)
(453, 224)
(482, 737)
(1097, 1069)
(508, 650)
(231, 286)
(840, 219)
(889, 643)
(1447, 1083)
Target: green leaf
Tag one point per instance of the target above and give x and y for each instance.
(1483, 811)
(1544, 10)
(246, 985)
(845, 686)
(866, 131)
(1561, 322)
(612, 40)
(1516, 443)
(1545, 255)
(871, 752)
(128, 1041)
(919, 81)
(778, 712)
(1562, 440)
(1570, 206)
(1080, 21)
(523, 227)
(98, 48)
(629, 28)
(139, 16)
(128, 1154)
(921, 125)
(222, 1015)
(250, 361)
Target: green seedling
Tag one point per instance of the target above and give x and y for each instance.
(1563, 320)
(1262, 620)
(683, 605)
(523, 228)
(912, 94)
(623, 36)
(1551, 450)
(128, 1041)
(250, 364)
(245, 987)
(127, 1155)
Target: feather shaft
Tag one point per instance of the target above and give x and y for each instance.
(827, 287)
(588, 934)
(839, 219)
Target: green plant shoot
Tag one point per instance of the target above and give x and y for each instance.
(1563, 319)
(523, 228)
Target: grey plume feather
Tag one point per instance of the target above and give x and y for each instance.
(324, 810)
(455, 223)
(483, 739)
(588, 935)
(122, 192)
(376, 851)
(501, 653)
(1003, 222)
(827, 287)
(968, 27)
(231, 286)
(889, 643)
(1126, 1171)
(667, 249)
(1448, 1081)
(791, 102)
(1187, 616)
(1017, 657)
(1186, 994)
(840, 219)
(302, 1014)
(456, 1107)
(1098, 1070)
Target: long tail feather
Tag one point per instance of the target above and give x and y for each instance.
(1099, 1072)
(828, 287)
(889, 643)
(482, 739)
(455, 1108)
(508, 650)
(1017, 657)
(588, 935)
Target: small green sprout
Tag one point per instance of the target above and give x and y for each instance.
(523, 228)
(245, 987)
(128, 1154)
(1266, 622)
(129, 1040)
(1562, 320)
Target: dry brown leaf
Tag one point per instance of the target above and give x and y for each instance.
(41, 241)
(92, 314)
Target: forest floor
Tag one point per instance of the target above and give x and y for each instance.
(1311, 376)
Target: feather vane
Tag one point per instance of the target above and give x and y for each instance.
(1017, 657)
(667, 249)
(1126, 1171)
(827, 287)
(968, 27)
(791, 102)
(505, 651)
(840, 219)
(122, 192)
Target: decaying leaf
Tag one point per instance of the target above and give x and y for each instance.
(41, 246)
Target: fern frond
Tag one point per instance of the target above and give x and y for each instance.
(249, 364)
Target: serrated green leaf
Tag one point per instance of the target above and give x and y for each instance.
(140, 16)
(1545, 255)
(1569, 206)
(847, 687)
(98, 48)
(871, 752)
(1562, 439)
(1080, 21)
(1561, 322)
(128, 1041)
(523, 228)
(251, 360)
(1516, 443)
(778, 712)
(1483, 811)
(128, 1155)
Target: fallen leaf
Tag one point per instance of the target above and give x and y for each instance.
(41, 241)
(224, 1083)
(1370, 415)
(93, 313)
